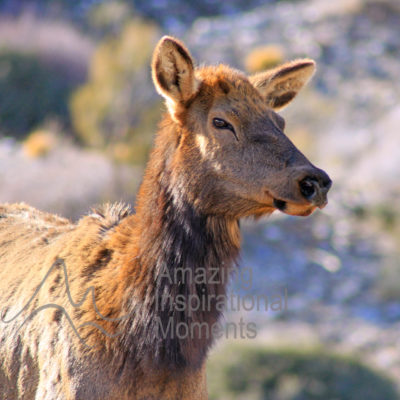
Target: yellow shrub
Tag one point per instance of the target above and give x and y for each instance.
(39, 143)
(262, 58)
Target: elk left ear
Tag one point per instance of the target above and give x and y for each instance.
(173, 72)
(280, 85)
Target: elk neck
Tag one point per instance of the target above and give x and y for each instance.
(174, 247)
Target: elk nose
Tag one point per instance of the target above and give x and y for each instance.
(314, 188)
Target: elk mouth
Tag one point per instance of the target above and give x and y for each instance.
(300, 208)
(293, 208)
(280, 204)
(311, 194)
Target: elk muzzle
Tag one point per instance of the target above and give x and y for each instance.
(314, 188)
(308, 190)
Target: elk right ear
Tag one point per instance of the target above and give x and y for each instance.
(173, 72)
(280, 85)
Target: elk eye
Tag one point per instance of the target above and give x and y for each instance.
(220, 123)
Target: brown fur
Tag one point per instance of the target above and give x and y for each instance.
(200, 180)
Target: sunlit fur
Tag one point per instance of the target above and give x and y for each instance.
(198, 183)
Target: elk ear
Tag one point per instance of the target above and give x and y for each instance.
(173, 72)
(280, 85)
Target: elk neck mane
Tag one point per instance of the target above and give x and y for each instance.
(173, 243)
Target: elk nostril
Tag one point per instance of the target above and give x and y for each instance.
(307, 188)
(326, 184)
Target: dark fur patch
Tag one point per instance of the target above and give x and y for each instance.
(224, 86)
(292, 68)
(176, 79)
(57, 316)
(282, 100)
(111, 215)
(183, 53)
(56, 281)
(102, 261)
(162, 81)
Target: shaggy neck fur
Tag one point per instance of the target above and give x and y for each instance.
(180, 254)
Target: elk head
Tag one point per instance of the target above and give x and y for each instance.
(231, 156)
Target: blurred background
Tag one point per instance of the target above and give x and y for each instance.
(77, 116)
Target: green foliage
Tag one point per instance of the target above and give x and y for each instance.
(116, 107)
(258, 373)
(30, 93)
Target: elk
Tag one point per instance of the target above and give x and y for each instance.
(80, 302)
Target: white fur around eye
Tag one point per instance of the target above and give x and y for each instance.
(202, 144)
